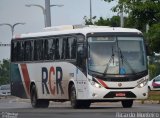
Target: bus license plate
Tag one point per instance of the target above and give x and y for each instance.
(120, 94)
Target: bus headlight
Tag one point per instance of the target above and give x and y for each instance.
(143, 83)
(95, 84)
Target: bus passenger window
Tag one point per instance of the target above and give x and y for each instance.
(65, 49)
(20, 50)
(27, 51)
(46, 48)
(14, 51)
(80, 57)
(73, 48)
(17, 51)
(60, 47)
(49, 49)
(38, 50)
(57, 54)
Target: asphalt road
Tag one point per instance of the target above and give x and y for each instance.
(19, 108)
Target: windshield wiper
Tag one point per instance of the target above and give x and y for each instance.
(125, 60)
(111, 58)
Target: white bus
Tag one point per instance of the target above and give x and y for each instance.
(80, 65)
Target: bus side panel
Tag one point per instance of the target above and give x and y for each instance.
(17, 88)
(52, 79)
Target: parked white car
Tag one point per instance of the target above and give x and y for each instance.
(154, 84)
(5, 90)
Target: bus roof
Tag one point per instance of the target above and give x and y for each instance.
(70, 29)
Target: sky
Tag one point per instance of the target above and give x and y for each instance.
(73, 12)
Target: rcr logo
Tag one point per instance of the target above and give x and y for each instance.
(48, 76)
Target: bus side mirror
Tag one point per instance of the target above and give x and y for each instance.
(81, 56)
(82, 51)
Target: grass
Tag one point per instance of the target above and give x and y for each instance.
(153, 96)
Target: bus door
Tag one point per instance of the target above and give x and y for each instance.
(81, 71)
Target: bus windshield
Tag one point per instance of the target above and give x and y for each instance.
(116, 55)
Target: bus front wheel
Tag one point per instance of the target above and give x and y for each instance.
(74, 102)
(127, 103)
(77, 103)
(36, 103)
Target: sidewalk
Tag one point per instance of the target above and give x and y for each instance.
(16, 99)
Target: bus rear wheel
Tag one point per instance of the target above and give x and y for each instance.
(37, 103)
(127, 103)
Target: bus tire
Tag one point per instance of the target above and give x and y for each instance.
(36, 103)
(73, 98)
(43, 103)
(127, 103)
(85, 104)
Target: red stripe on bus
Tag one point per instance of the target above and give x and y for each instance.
(26, 76)
(103, 83)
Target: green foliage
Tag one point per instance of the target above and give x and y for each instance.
(102, 22)
(114, 21)
(152, 70)
(140, 12)
(4, 72)
(146, 11)
(154, 95)
(88, 22)
(154, 37)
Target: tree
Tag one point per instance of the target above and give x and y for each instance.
(89, 21)
(113, 22)
(4, 72)
(102, 22)
(142, 12)
(154, 37)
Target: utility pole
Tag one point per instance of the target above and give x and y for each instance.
(48, 13)
(91, 11)
(121, 16)
(42, 8)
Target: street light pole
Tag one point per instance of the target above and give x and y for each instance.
(43, 10)
(121, 16)
(46, 11)
(12, 26)
(91, 11)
